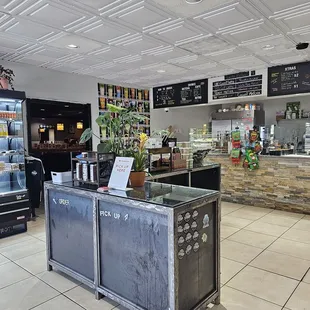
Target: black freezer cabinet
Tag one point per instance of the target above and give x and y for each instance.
(14, 213)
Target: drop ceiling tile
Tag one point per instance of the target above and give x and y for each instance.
(183, 9)
(279, 7)
(54, 15)
(227, 54)
(94, 4)
(177, 32)
(85, 45)
(206, 44)
(108, 53)
(10, 43)
(245, 63)
(270, 45)
(28, 29)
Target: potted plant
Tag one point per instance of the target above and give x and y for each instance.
(120, 130)
(6, 78)
(139, 153)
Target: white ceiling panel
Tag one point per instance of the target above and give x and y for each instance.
(134, 39)
(85, 45)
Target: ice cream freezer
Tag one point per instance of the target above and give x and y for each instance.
(155, 247)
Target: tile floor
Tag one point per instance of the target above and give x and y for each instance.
(265, 265)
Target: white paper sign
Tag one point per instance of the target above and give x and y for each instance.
(120, 173)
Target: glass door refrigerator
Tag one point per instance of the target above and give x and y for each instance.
(14, 199)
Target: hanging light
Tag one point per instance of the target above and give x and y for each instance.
(79, 125)
(60, 126)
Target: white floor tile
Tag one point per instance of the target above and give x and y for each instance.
(27, 248)
(232, 299)
(292, 248)
(267, 229)
(280, 220)
(59, 303)
(297, 235)
(250, 213)
(229, 269)
(239, 252)
(25, 294)
(58, 280)
(37, 222)
(252, 238)
(35, 263)
(11, 273)
(227, 231)
(281, 264)
(301, 298)
(8, 241)
(235, 221)
(263, 284)
(36, 230)
(3, 260)
(303, 224)
(228, 207)
(86, 299)
(307, 279)
(279, 213)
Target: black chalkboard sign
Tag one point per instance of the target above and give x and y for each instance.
(289, 79)
(243, 84)
(134, 254)
(183, 94)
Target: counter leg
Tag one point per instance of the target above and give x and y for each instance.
(217, 301)
(98, 295)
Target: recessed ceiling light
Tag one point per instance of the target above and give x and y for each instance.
(268, 47)
(42, 109)
(72, 46)
(193, 1)
(66, 106)
(59, 114)
(161, 71)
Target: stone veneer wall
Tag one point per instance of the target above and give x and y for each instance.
(280, 183)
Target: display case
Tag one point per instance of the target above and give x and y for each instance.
(14, 201)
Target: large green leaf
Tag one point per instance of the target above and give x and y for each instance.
(86, 135)
(114, 109)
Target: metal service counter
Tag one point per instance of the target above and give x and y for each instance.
(150, 248)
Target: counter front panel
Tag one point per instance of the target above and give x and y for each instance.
(71, 231)
(196, 249)
(134, 254)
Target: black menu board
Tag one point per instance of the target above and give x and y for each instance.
(289, 79)
(243, 84)
(183, 94)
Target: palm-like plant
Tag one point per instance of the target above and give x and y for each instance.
(120, 129)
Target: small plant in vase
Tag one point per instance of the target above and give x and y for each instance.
(139, 153)
(6, 78)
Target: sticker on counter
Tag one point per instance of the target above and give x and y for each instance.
(204, 238)
(186, 227)
(195, 214)
(194, 225)
(187, 217)
(196, 247)
(180, 219)
(188, 237)
(188, 249)
(180, 229)
(196, 235)
(206, 221)
(181, 241)
(181, 254)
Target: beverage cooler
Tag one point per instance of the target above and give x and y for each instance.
(224, 122)
(14, 201)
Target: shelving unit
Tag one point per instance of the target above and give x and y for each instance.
(136, 100)
(160, 152)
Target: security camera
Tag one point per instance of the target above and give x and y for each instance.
(166, 110)
(302, 46)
